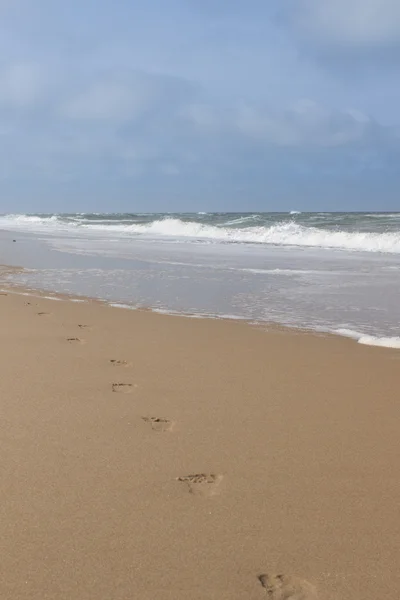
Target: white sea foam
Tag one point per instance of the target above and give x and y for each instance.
(383, 215)
(285, 234)
(241, 220)
(386, 342)
(120, 305)
(289, 272)
(172, 229)
(29, 219)
(177, 313)
(198, 315)
(370, 340)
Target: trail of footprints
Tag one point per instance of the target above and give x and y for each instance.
(203, 484)
(276, 587)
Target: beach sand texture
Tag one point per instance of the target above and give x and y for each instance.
(146, 456)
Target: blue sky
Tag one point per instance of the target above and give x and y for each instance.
(199, 105)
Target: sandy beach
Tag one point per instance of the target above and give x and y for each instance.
(146, 456)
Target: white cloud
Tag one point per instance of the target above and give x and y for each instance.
(346, 22)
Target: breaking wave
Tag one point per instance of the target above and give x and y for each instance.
(239, 230)
(370, 340)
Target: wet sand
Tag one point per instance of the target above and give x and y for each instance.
(146, 456)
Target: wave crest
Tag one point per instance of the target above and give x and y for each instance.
(281, 234)
(278, 234)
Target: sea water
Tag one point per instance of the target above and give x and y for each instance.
(335, 272)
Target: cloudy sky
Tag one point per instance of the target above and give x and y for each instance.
(199, 105)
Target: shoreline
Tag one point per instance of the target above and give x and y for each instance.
(307, 291)
(389, 343)
(150, 456)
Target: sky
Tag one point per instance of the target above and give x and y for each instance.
(181, 105)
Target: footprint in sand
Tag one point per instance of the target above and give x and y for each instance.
(75, 340)
(159, 423)
(82, 326)
(118, 363)
(204, 484)
(42, 314)
(122, 388)
(285, 587)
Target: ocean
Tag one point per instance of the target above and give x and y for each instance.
(330, 272)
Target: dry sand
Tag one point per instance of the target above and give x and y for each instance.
(217, 461)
